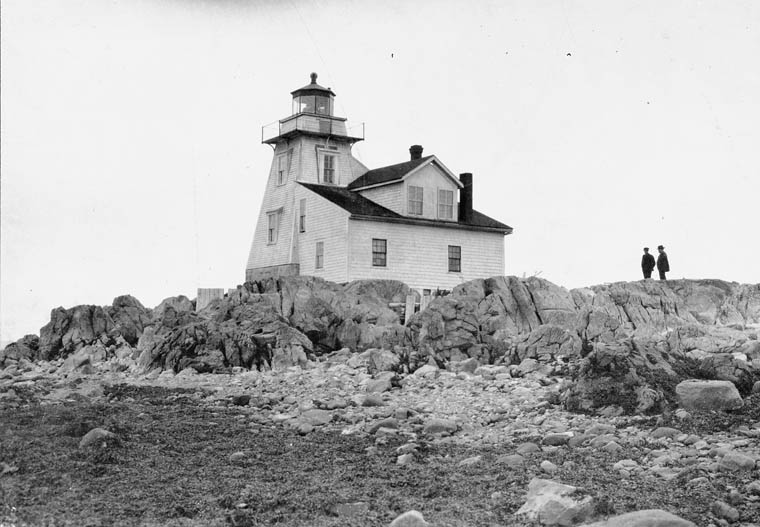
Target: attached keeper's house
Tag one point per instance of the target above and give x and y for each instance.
(325, 214)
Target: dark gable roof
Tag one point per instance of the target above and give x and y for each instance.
(362, 208)
(386, 174)
(350, 201)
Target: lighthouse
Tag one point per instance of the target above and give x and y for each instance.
(312, 145)
(325, 214)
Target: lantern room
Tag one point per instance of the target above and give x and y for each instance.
(313, 99)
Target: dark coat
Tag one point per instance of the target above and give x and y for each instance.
(662, 263)
(647, 263)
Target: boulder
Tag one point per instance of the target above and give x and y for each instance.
(71, 329)
(635, 375)
(553, 503)
(25, 348)
(410, 519)
(129, 317)
(382, 360)
(701, 395)
(643, 518)
(724, 367)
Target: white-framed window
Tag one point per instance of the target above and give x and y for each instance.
(283, 167)
(415, 200)
(302, 215)
(273, 226)
(328, 169)
(379, 252)
(455, 259)
(319, 260)
(445, 204)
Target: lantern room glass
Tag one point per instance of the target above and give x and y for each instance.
(315, 104)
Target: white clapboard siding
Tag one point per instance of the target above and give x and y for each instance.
(418, 255)
(327, 223)
(389, 196)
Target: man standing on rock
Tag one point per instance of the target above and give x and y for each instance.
(647, 263)
(662, 262)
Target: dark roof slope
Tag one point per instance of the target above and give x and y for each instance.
(350, 201)
(357, 205)
(386, 174)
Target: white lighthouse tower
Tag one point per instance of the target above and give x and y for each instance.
(312, 145)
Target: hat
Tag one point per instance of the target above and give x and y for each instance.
(660, 247)
(646, 248)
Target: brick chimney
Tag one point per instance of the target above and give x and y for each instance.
(465, 198)
(416, 152)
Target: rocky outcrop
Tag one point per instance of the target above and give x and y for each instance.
(622, 344)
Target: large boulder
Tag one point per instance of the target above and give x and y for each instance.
(635, 375)
(26, 347)
(71, 329)
(643, 518)
(130, 318)
(552, 503)
(706, 395)
(248, 334)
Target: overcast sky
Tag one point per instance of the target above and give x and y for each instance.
(132, 162)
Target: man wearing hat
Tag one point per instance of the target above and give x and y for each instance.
(662, 262)
(647, 263)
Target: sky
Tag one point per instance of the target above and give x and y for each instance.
(132, 163)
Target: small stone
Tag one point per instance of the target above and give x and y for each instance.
(305, 429)
(410, 519)
(514, 461)
(665, 431)
(554, 503)
(355, 509)
(557, 439)
(643, 518)
(735, 497)
(405, 459)
(548, 467)
(241, 400)
(237, 457)
(733, 460)
(439, 426)
(753, 488)
(98, 436)
(612, 447)
(528, 448)
(389, 422)
(470, 461)
(378, 385)
(724, 510)
(373, 400)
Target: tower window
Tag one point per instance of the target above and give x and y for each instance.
(415, 200)
(273, 226)
(302, 216)
(319, 261)
(446, 204)
(328, 169)
(455, 258)
(379, 252)
(281, 169)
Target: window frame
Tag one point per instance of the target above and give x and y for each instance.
(283, 167)
(302, 215)
(273, 226)
(319, 257)
(333, 162)
(379, 257)
(412, 201)
(455, 259)
(449, 192)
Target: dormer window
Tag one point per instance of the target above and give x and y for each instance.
(415, 200)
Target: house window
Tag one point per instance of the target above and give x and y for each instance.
(319, 261)
(455, 259)
(328, 170)
(273, 226)
(379, 252)
(446, 204)
(415, 200)
(302, 216)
